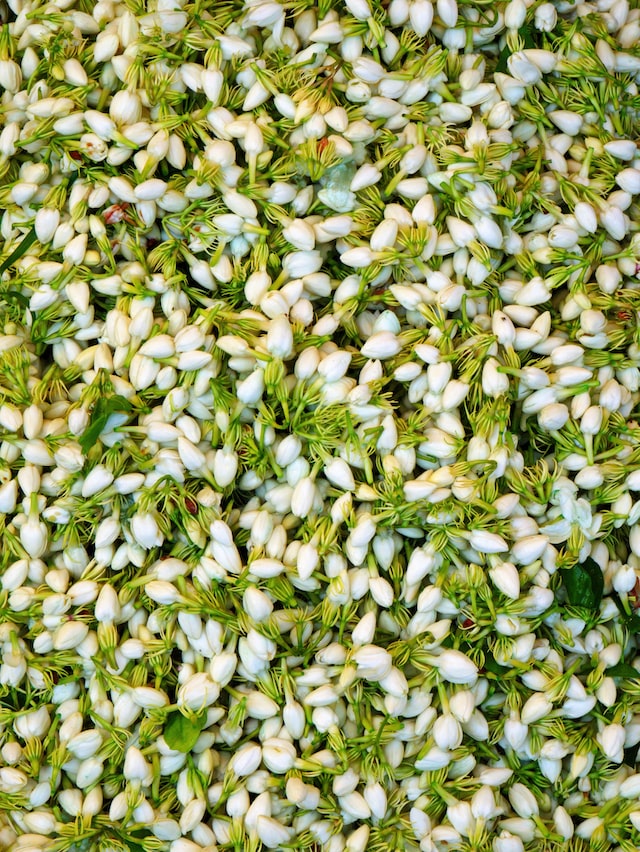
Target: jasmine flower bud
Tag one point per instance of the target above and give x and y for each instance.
(535, 708)
(34, 537)
(70, 635)
(272, 833)
(225, 466)
(622, 149)
(454, 667)
(145, 530)
(611, 739)
(381, 345)
(507, 842)
(125, 108)
(88, 772)
(10, 75)
(505, 577)
(8, 496)
(421, 16)
(136, 767)
(198, 692)
(246, 760)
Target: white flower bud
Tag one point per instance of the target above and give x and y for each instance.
(506, 578)
(486, 542)
(257, 604)
(273, 834)
(381, 591)
(630, 787)
(447, 732)
(381, 345)
(523, 801)
(136, 767)
(358, 257)
(563, 823)
(373, 663)
(8, 496)
(266, 567)
(245, 761)
(553, 416)
(454, 667)
(621, 149)
(629, 180)
(421, 16)
(294, 719)
(162, 592)
(198, 692)
(10, 75)
(462, 705)
(34, 537)
(535, 708)
(506, 842)
(144, 529)
(566, 121)
(70, 635)
(278, 755)
(300, 234)
(528, 549)
(279, 341)
(586, 217)
(33, 724)
(89, 772)
(607, 692)
(611, 739)
(494, 383)
(303, 497)
(96, 480)
(615, 223)
(515, 14)
(125, 107)
(225, 466)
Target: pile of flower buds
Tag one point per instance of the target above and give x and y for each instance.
(319, 459)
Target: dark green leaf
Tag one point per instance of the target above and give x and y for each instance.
(181, 733)
(584, 584)
(623, 670)
(492, 666)
(92, 432)
(631, 622)
(631, 755)
(17, 253)
(505, 53)
(17, 297)
(102, 410)
(119, 403)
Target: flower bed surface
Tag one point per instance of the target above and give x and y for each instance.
(319, 458)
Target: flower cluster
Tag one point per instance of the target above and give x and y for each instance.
(319, 459)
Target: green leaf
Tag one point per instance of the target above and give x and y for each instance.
(630, 621)
(181, 732)
(623, 670)
(584, 584)
(135, 839)
(494, 667)
(631, 755)
(17, 253)
(17, 297)
(633, 624)
(102, 410)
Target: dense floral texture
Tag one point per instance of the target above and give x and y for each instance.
(319, 461)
